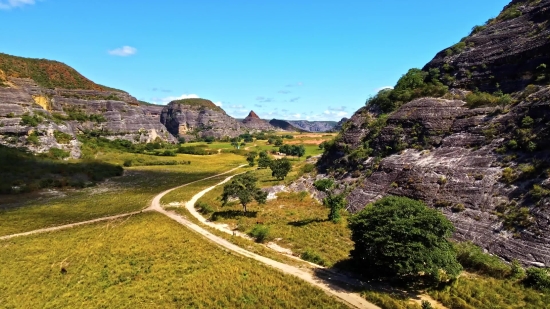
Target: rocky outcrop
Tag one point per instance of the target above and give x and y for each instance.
(503, 54)
(253, 122)
(485, 168)
(112, 114)
(198, 118)
(303, 125)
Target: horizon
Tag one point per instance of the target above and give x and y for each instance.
(293, 61)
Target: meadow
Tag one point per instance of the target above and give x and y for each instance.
(146, 261)
(131, 192)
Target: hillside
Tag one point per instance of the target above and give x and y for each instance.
(304, 125)
(47, 105)
(468, 134)
(46, 73)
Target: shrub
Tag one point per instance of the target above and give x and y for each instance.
(336, 202)
(308, 168)
(473, 259)
(33, 138)
(527, 122)
(508, 175)
(128, 163)
(204, 208)
(538, 278)
(313, 257)
(57, 153)
(324, 184)
(260, 233)
(538, 192)
(62, 138)
(29, 120)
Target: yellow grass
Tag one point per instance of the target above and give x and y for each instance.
(147, 261)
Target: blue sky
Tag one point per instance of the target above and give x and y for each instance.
(316, 60)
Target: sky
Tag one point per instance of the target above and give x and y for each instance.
(284, 59)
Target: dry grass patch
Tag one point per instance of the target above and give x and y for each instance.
(145, 261)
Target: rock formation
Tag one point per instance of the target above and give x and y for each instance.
(41, 107)
(198, 118)
(303, 125)
(253, 121)
(484, 165)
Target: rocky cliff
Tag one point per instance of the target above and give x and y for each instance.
(198, 118)
(46, 104)
(304, 125)
(253, 122)
(481, 157)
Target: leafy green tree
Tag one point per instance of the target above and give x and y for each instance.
(264, 161)
(403, 238)
(280, 168)
(244, 188)
(235, 142)
(335, 202)
(279, 142)
(324, 185)
(251, 158)
(298, 150)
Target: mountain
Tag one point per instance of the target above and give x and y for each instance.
(41, 99)
(304, 125)
(253, 121)
(469, 134)
(197, 118)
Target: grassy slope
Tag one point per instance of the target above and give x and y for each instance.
(199, 103)
(131, 192)
(145, 261)
(47, 73)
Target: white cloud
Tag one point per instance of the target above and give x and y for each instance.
(9, 4)
(123, 51)
(335, 114)
(382, 88)
(169, 99)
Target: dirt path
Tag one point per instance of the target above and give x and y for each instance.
(330, 282)
(67, 226)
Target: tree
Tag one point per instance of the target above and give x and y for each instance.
(298, 151)
(235, 142)
(251, 157)
(280, 168)
(244, 188)
(403, 238)
(264, 161)
(279, 142)
(335, 202)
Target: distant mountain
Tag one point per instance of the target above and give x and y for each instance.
(253, 121)
(304, 125)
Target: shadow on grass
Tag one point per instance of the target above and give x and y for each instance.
(233, 214)
(343, 276)
(305, 222)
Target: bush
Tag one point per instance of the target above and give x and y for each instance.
(128, 163)
(415, 84)
(473, 259)
(29, 120)
(204, 208)
(260, 233)
(538, 278)
(62, 138)
(402, 238)
(324, 184)
(313, 257)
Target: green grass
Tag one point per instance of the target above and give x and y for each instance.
(481, 292)
(144, 261)
(131, 192)
(299, 221)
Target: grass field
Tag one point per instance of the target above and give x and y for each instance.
(131, 192)
(146, 261)
(295, 221)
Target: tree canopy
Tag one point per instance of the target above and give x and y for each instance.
(403, 238)
(244, 188)
(280, 168)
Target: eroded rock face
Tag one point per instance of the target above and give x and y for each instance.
(253, 122)
(122, 116)
(190, 121)
(506, 53)
(451, 162)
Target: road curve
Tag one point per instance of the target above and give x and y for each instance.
(328, 285)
